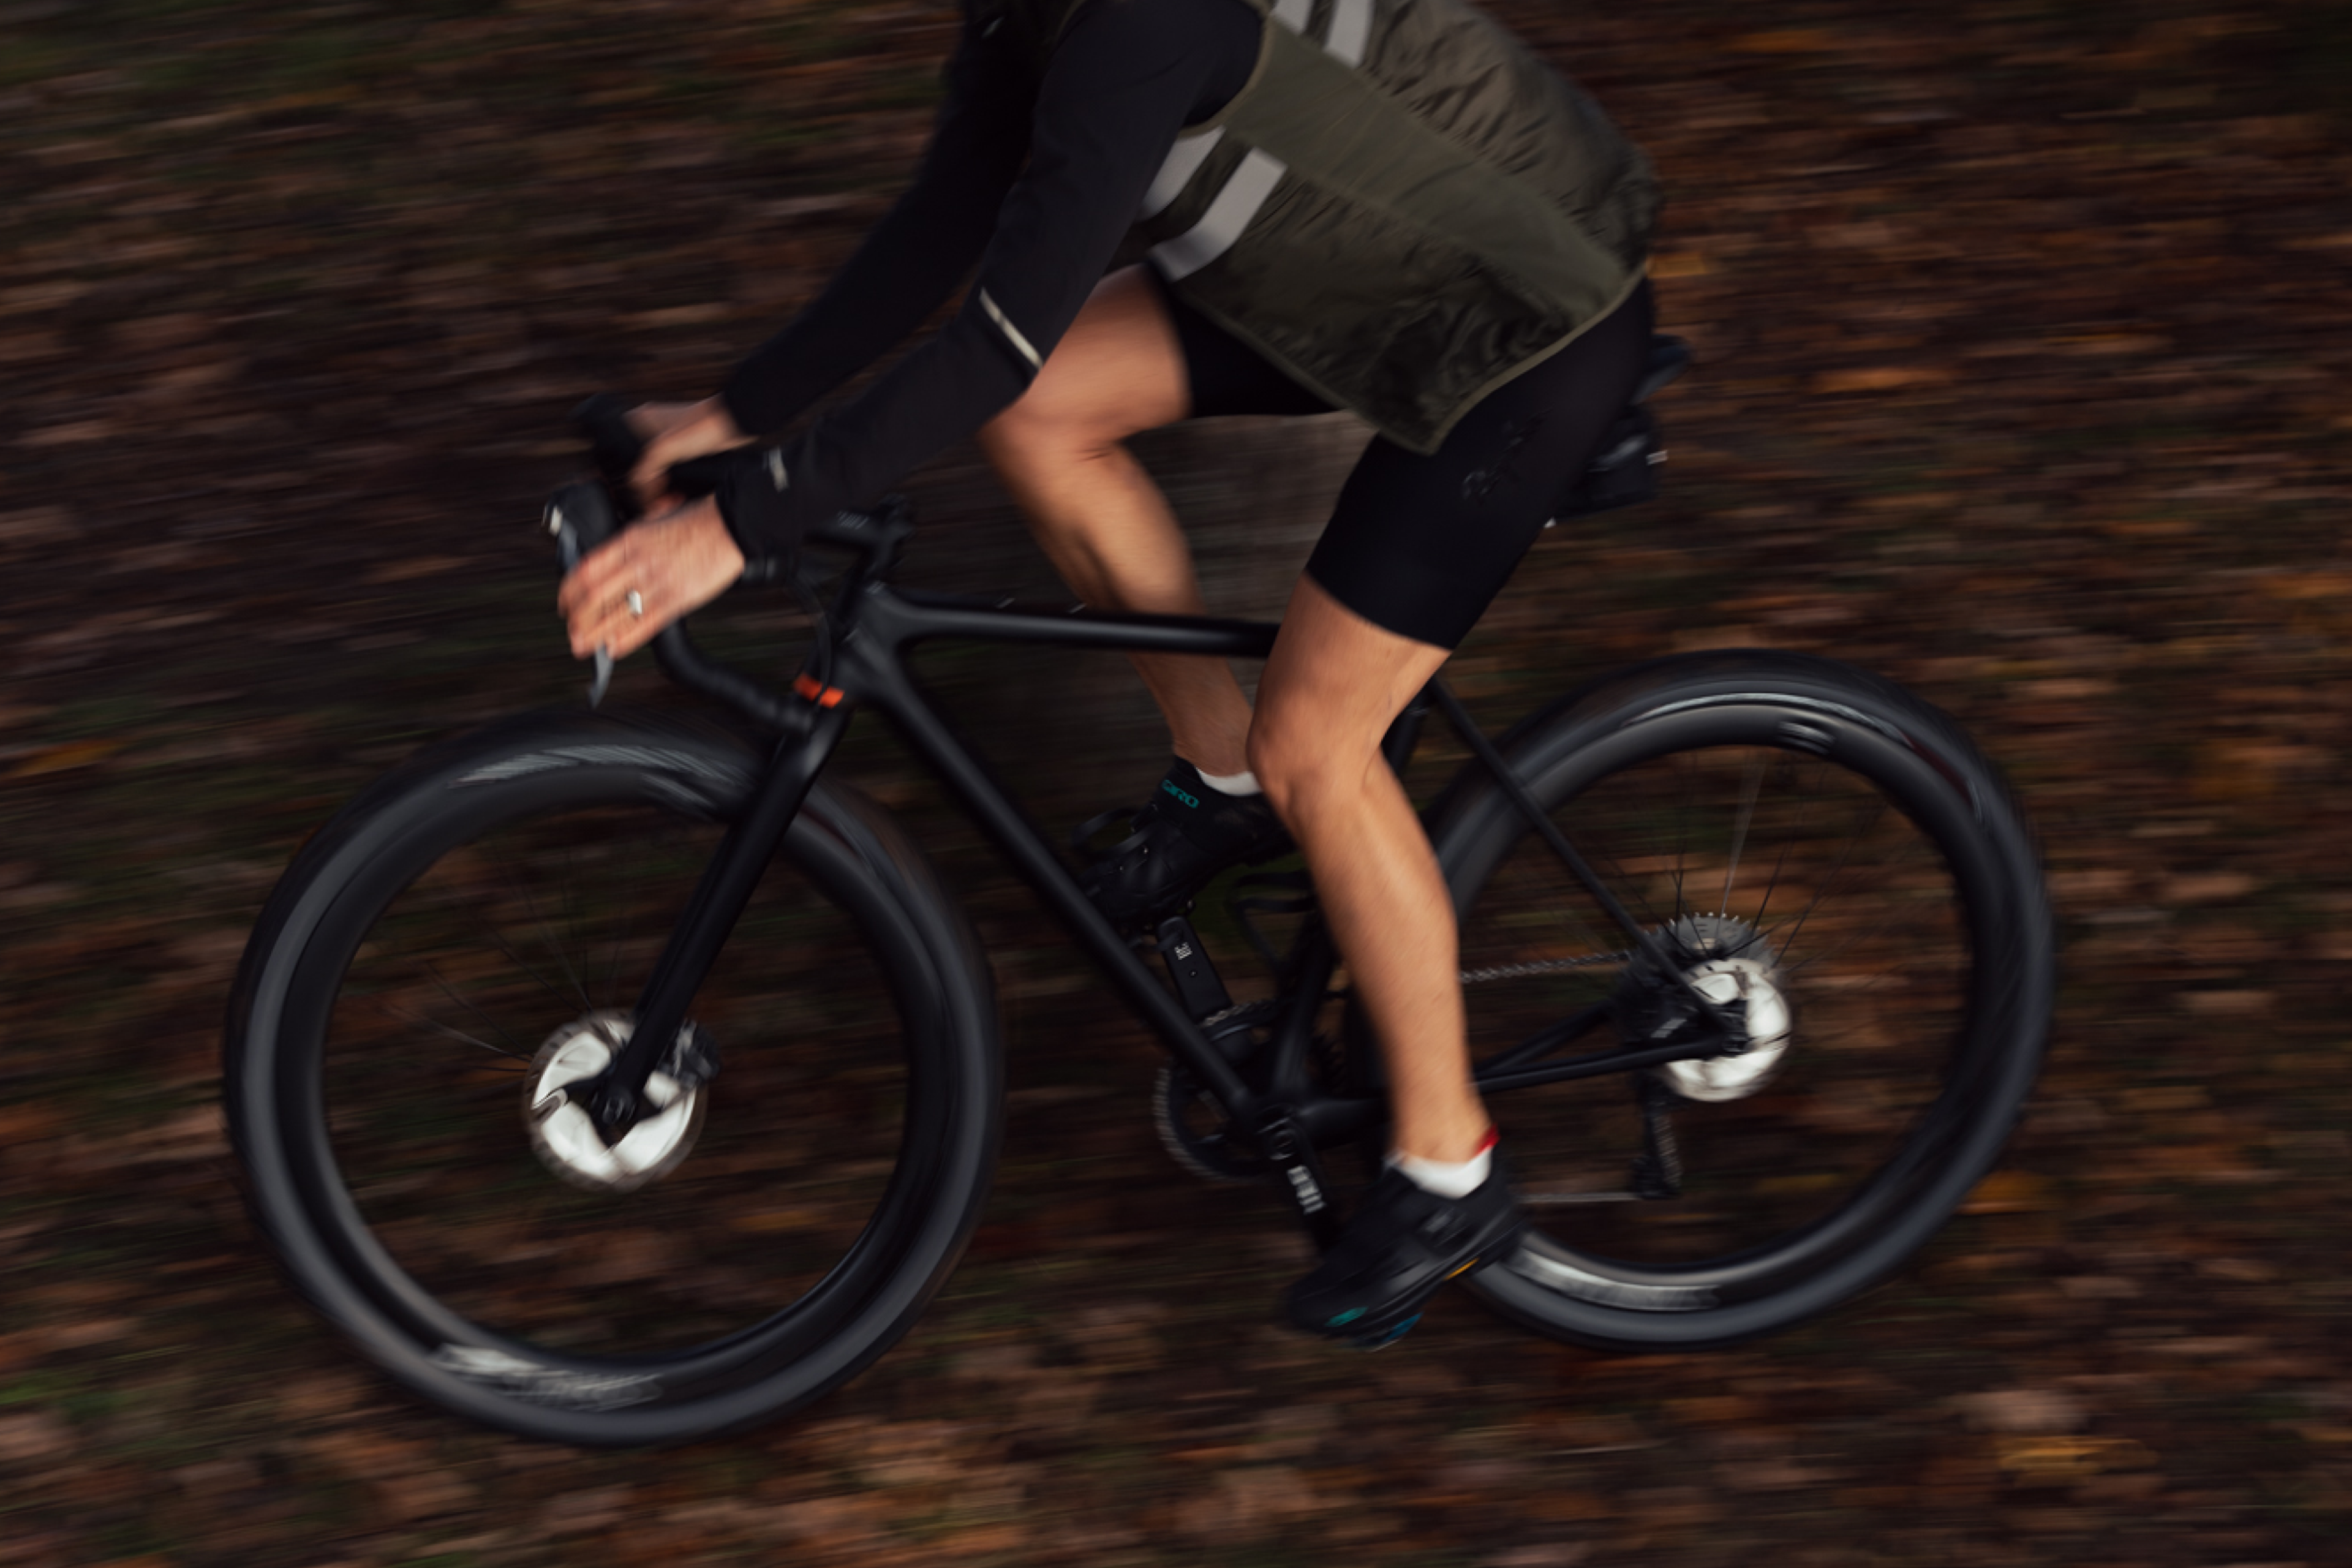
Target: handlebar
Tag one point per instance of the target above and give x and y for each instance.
(604, 419)
(584, 513)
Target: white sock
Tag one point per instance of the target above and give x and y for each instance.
(1445, 1179)
(1243, 783)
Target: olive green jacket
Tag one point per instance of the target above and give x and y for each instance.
(1404, 208)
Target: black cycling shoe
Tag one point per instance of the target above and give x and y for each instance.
(1187, 833)
(1403, 1243)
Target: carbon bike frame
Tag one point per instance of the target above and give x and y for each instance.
(861, 661)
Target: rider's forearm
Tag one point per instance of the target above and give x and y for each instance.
(935, 396)
(912, 260)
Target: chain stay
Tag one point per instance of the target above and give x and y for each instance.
(1545, 966)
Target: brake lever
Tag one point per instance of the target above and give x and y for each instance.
(565, 527)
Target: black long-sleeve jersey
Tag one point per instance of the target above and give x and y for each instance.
(1037, 180)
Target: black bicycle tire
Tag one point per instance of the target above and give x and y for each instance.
(337, 887)
(1584, 1303)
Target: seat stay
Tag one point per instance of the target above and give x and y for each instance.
(1531, 811)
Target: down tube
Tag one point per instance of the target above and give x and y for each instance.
(897, 694)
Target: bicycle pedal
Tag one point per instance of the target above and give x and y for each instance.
(1082, 838)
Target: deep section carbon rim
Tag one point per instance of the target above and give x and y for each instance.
(483, 924)
(1838, 867)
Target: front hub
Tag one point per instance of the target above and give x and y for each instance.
(562, 1133)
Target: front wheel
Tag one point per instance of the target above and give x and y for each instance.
(1830, 859)
(468, 936)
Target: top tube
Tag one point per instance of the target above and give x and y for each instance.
(905, 616)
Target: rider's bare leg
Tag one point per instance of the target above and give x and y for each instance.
(1098, 515)
(1335, 682)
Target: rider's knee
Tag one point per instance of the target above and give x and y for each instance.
(1295, 770)
(1049, 426)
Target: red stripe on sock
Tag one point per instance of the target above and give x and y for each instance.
(1489, 1141)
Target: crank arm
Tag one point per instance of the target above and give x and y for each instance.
(1299, 1175)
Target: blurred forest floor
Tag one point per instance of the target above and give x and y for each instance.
(2023, 330)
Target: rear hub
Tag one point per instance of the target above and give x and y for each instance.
(1730, 962)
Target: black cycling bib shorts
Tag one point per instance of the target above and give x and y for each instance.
(1420, 545)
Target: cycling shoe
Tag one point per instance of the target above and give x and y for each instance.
(1187, 833)
(1401, 1245)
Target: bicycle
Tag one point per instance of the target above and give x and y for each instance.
(1803, 903)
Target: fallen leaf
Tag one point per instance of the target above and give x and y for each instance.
(2068, 1458)
(2009, 1192)
(2023, 1410)
(58, 759)
(1882, 378)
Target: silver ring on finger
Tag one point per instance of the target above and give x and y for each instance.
(635, 601)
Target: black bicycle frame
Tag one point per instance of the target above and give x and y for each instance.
(872, 626)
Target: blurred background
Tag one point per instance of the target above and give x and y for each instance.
(2021, 339)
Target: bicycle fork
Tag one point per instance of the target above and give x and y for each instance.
(615, 1098)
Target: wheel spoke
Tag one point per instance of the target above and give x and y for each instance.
(511, 1048)
(1740, 832)
(1845, 853)
(553, 943)
(421, 1021)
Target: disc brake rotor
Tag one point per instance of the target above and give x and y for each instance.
(564, 1137)
(1732, 965)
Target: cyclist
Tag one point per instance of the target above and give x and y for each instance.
(1385, 206)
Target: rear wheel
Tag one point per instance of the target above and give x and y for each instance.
(467, 937)
(1816, 849)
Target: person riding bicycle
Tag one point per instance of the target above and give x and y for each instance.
(1390, 207)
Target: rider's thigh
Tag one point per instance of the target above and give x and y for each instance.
(1120, 369)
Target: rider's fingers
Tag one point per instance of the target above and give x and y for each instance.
(680, 432)
(650, 478)
(587, 583)
(611, 627)
(624, 593)
(627, 618)
(596, 589)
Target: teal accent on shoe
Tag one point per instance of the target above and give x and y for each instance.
(1376, 1341)
(1344, 1319)
(1192, 800)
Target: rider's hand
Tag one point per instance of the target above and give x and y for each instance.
(675, 563)
(673, 433)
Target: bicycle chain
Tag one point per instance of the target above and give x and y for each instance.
(1544, 966)
(1173, 1088)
